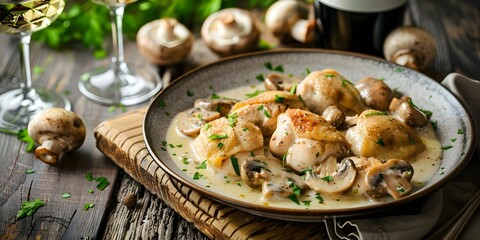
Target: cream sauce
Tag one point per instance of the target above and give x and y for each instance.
(180, 149)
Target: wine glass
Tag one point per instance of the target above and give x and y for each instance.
(22, 18)
(119, 83)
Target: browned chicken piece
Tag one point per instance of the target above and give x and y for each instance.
(375, 93)
(305, 140)
(382, 136)
(195, 118)
(220, 139)
(405, 110)
(321, 89)
(223, 106)
(280, 82)
(263, 109)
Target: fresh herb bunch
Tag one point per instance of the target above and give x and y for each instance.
(89, 24)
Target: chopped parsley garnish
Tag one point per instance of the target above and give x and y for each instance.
(185, 160)
(294, 88)
(376, 114)
(197, 176)
(253, 94)
(400, 189)
(189, 93)
(380, 142)
(253, 155)
(399, 69)
(426, 112)
(102, 183)
(453, 139)
(317, 154)
(460, 131)
(260, 77)
(216, 136)
(279, 99)
(66, 195)
(29, 171)
(29, 208)
(239, 184)
(232, 119)
(295, 189)
(434, 125)
(164, 143)
(306, 203)
(161, 103)
(220, 145)
(345, 83)
(446, 147)
(89, 176)
(90, 191)
(330, 75)
(215, 96)
(318, 197)
(269, 66)
(207, 126)
(234, 162)
(327, 179)
(293, 197)
(307, 70)
(260, 107)
(267, 114)
(284, 159)
(202, 165)
(87, 206)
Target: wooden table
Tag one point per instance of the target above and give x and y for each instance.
(455, 25)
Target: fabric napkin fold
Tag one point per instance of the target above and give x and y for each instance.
(425, 218)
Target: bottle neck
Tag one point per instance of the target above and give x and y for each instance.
(364, 6)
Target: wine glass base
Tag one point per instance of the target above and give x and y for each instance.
(127, 85)
(17, 108)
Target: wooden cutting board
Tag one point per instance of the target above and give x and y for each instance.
(121, 139)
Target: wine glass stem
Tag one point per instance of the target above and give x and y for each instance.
(116, 14)
(25, 61)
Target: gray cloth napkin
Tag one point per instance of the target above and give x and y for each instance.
(429, 215)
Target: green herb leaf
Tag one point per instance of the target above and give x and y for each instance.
(327, 179)
(234, 162)
(161, 103)
(319, 198)
(380, 142)
(294, 88)
(279, 99)
(197, 176)
(29, 208)
(293, 197)
(66, 195)
(23, 136)
(102, 183)
(29, 171)
(434, 125)
(220, 145)
(232, 119)
(215, 96)
(426, 112)
(37, 70)
(189, 93)
(89, 176)
(87, 206)
(216, 136)
(260, 77)
(460, 131)
(267, 114)
(446, 148)
(306, 203)
(307, 70)
(90, 191)
(376, 114)
(202, 165)
(253, 94)
(207, 126)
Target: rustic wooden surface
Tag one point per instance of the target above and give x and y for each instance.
(455, 25)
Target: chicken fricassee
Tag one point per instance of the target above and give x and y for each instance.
(321, 139)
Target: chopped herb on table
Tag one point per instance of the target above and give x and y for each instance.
(87, 206)
(29, 171)
(23, 136)
(29, 208)
(66, 195)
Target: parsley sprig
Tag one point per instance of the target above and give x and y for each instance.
(23, 136)
(29, 208)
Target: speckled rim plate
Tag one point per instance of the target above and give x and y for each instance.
(448, 112)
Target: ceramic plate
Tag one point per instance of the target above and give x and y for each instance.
(448, 112)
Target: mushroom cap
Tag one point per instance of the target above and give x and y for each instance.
(339, 182)
(281, 17)
(412, 47)
(165, 41)
(57, 130)
(392, 177)
(230, 31)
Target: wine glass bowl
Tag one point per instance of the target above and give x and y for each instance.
(21, 18)
(119, 82)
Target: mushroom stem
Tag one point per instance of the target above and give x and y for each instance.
(410, 58)
(49, 152)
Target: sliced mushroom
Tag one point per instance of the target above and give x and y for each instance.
(336, 183)
(223, 106)
(194, 119)
(375, 93)
(164, 41)
(408, 46)
(407, 112)
(57, 131)
(288, 19)
(230, 31)
(334, 116)
(268, 173)
(280, 82)
(392, 177)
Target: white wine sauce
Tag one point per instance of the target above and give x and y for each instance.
(180, 148)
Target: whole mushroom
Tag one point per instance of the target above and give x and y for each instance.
(287, 19)
(57, 131)
(230, 31)
(408, 46)
(165, 41)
